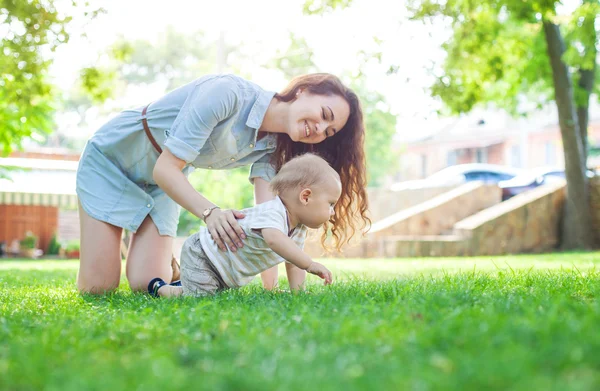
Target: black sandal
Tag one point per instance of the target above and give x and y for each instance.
(155, 285)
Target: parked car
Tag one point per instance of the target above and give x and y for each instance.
(461, 173)
(532, 179)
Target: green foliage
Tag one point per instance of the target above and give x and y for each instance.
(313, 7)
(295, 60)
(29, 241)
(54, 246)
(98, 83)
(229, 189)
(498, 55)
(72, 245)
(380, 129)
(382, 160)
(581, 53)
(175, 57)
(581, 33)
(518, 323)
(32, 28)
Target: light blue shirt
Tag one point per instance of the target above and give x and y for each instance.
(211, 123)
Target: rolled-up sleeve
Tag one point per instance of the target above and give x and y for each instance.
(262, 168)
(208, 104)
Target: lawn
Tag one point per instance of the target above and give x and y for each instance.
(518, 322)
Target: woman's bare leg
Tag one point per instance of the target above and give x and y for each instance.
(149, 256)
(100, 258)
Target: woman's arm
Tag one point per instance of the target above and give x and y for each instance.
(222, 224)
(262, 193)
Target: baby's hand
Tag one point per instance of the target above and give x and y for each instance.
(319, 270)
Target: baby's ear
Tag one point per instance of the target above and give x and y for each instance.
(305, 195)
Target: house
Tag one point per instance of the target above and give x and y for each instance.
(37, 194)
(491, 137)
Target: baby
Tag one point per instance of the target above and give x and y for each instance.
(306, 189)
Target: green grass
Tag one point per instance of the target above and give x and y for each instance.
(519, 322)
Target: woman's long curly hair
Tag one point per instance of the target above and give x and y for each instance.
(344, 152)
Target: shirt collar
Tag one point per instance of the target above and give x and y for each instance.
(259, 109)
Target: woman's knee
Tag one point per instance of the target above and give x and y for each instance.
(98, 275)
(96, 284)
(138, 281)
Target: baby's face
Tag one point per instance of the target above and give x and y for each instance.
(320, 205)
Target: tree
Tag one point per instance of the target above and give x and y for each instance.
(380, 127)
(296, 59)
(176, 58)
(505, 51)
(509, 51)
(33, 28)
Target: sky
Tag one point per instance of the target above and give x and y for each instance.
(263, 26)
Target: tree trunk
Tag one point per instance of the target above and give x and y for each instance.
(577, 223)
(586, 82)
(586, 79)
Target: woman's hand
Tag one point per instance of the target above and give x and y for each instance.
(224, 228)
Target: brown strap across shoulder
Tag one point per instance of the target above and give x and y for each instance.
(147, 130)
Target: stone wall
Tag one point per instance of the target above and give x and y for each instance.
(383, 202)
(439, 214)
(528, 222)
(433, 217)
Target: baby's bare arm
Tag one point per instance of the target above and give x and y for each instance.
(288, 250)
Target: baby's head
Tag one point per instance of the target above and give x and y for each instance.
(309, 188)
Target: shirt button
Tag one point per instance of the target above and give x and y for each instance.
(251, 145)
(148, 205)
(232, 159)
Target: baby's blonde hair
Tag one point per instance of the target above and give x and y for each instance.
(307, 170)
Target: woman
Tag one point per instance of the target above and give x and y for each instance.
(133, 171)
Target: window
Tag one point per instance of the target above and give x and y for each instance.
(481, 155)
(451, 158)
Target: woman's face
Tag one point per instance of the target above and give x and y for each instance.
(313, 118)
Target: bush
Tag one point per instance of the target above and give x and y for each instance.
(72, 245)
(54, 246)
(30, 241)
